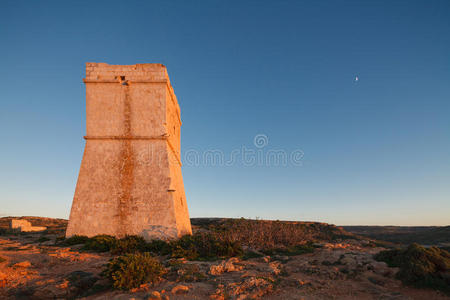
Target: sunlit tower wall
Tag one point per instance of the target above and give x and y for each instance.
(130, 180)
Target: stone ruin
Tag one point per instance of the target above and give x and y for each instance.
(130, 180)
(24, 226)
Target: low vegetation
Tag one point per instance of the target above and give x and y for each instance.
(204, 246)
(262, 234)
(131, 270)
(75, 240)
(181, 271)
(100, 243)
(105, 243)
(420, 266)
(43, 239)
(137, 261)
(200, 246)
(222, 238)
(129, 244)
(292, 250)
(213, 239)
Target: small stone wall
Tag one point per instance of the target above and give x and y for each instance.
(24, 226)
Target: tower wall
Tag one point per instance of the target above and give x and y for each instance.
(130, 178)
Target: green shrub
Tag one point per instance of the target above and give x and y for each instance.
(129, 244)
(131, 270)
(420, 266)
(100, 243)
(200, 246)
(75, 240)
(42, 239)
(159, 247)
(203, 246)
(292, 250)
(2, 259)
(104, 243)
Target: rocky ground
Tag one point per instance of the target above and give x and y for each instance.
(33, 267)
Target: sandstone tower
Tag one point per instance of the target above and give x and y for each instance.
(130, 178)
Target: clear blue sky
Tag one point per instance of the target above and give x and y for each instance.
(376, 150)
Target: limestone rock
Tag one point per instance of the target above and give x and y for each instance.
(250, 288)
(155, 295)
(266, 259)
(23, 264)
(180, 289)
(225, 266)
(275, 267)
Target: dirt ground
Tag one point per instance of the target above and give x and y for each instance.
(35, 268)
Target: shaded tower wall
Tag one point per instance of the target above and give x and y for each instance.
(130, 178)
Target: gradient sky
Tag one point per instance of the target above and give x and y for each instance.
(376, 150)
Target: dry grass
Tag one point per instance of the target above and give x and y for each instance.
(262, 234)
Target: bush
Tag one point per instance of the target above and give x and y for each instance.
(292, 250)
(129, 244)
(42, 239)
(159, 247)
(100, 243)
(104, 243)
(131, 270)
(203, 246)
(75, 240)
(419, 266)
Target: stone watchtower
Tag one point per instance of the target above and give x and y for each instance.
(130, 178)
